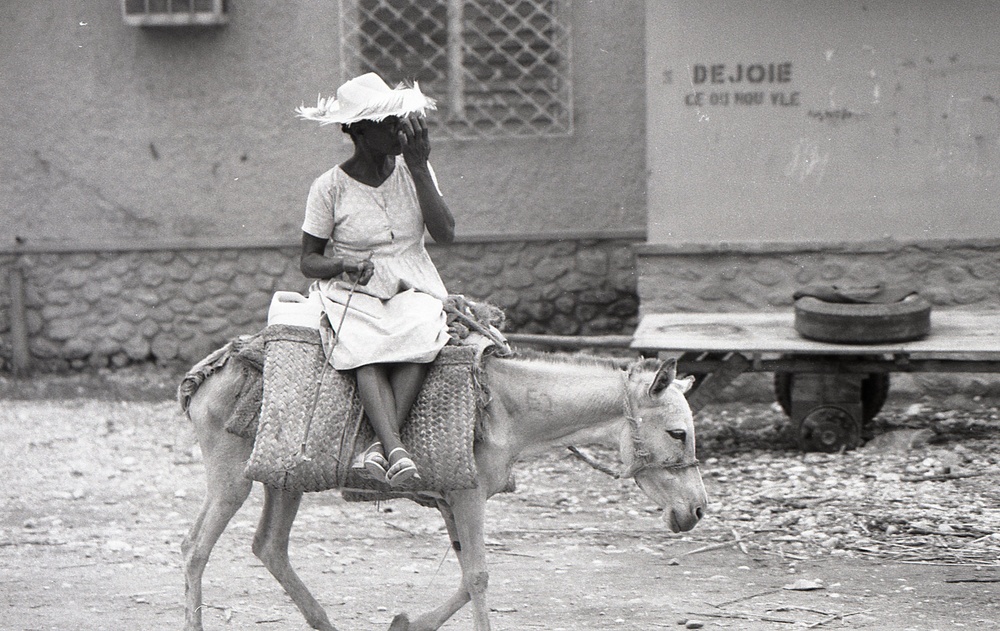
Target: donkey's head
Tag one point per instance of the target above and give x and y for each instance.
(657, 446)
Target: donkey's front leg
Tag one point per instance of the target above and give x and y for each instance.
(433, 620)
(469, 510)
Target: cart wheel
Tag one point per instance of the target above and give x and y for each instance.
(874, 392)
(829, 428)
(849, 323)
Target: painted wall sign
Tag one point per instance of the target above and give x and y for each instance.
(742, 76)
(738, 73)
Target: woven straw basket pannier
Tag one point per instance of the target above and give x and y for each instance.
(312, 425)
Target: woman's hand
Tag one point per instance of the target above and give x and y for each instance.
(315, 264)
(413, 136)
(360, 271)
(416, 149)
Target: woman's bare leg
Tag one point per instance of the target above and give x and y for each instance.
(407, 380)
(387, 392)
(379, 401)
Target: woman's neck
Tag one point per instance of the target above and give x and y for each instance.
(371, 169)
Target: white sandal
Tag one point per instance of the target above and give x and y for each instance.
(373, 463)
(402, 470)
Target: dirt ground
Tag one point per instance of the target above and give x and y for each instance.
(102, 479)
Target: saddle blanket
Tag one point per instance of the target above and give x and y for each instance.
(312, 426)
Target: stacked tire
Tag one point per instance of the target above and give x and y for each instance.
(863, 323)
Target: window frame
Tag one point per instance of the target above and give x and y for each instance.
(536, 102)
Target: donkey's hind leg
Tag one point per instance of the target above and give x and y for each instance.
(226, 490)
(270, 544)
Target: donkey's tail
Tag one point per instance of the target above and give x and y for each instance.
(200, 372)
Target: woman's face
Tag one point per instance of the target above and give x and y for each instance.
(382, 136)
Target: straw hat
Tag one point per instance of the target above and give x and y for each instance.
(366, 98)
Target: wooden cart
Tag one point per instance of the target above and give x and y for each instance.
(829, 390)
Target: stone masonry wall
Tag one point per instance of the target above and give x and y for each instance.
(98, 309)
(948, 275)
(88, 309)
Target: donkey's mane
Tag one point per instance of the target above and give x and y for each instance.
(585, 359)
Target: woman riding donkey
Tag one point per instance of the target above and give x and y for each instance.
(381, 292)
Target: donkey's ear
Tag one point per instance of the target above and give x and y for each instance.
(685, 383)
(664, 377)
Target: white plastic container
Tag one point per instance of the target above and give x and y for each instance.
(294, 309)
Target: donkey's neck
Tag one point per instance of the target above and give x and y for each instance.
(550, 400)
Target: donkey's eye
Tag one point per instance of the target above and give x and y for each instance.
(677, 434)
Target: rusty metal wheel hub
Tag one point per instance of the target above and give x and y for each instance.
(830, 429)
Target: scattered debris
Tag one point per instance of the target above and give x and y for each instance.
(936, 501)
(74, 502)
(803, 585)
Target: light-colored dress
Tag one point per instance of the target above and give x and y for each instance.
(398, 315)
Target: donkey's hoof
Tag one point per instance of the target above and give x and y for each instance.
(400, 623)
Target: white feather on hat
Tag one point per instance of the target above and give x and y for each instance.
(367, 97)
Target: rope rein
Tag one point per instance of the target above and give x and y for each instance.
(328, 353)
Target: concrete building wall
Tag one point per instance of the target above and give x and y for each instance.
(150, 173)
(153, 181)
(116, 135)
(826, 121)
(792, 143)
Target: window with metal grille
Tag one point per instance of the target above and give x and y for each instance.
(174, 12)
(498, 68)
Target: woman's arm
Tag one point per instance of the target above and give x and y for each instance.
(315, 264)
(416, 149)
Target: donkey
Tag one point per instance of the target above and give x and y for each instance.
(534, 401)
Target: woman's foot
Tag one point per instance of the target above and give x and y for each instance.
(401, 468)
(372, 461)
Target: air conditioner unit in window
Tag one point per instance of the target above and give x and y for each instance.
(174, 12)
